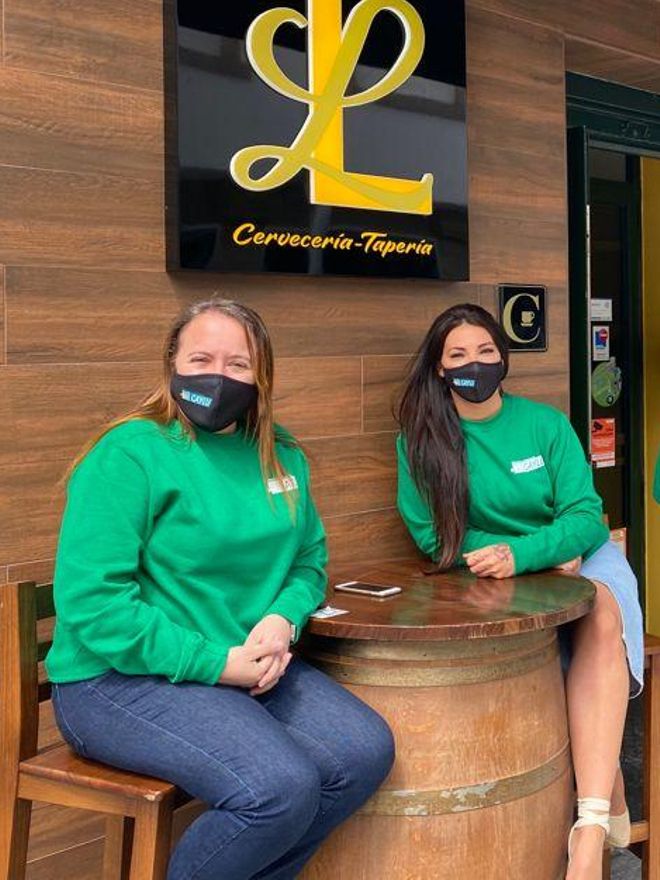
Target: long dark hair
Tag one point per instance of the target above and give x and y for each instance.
(432, 429)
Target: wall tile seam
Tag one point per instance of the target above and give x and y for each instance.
(5, 316)
(41, 364)
(68, 849)
(342, 516)
(105, 83)
(554, 29)
(86, 268)
(129, 178)
(510, 16)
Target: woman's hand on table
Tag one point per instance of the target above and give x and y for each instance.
(275, 630)
(494, 561)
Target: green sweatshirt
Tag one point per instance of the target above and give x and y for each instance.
(530, 487)
(171, 551)
(656, 484)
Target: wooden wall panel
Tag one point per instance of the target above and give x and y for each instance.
(3, 317)
(71, 125)
(119, 41)
(318, 397)
(515, 85)
(353, 474)
(383, 376)
(604, 62)
(84, 862)
(38, 570)
(55, 829)
(30, 510)
(516, 136)
(80, 219)
(72, 315)
(50, 412)
(355, 539)
(633, 27)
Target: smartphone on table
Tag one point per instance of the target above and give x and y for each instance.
(366, 589)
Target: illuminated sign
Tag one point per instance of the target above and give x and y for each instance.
(321, 137)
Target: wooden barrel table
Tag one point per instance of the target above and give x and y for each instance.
(467, 673)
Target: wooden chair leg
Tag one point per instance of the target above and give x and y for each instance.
(118, 847)
(14, 836)
(607, 863)
(151, 840)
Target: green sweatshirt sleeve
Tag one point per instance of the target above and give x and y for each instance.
(417, 516)
(304, 588)
(656, 484)
(578, 511)
(107, 517)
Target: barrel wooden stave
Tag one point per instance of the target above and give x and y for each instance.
(482, 779)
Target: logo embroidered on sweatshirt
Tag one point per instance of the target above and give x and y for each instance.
(525, 465)
(287, 484)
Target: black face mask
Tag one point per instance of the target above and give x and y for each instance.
(212, 401)
(476, 381)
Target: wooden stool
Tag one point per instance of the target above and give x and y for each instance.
(139, 807)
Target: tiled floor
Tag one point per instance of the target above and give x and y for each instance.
(626, 866)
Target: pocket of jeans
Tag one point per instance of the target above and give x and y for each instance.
(68, 734)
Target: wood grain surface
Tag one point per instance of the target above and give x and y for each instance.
(451, 605)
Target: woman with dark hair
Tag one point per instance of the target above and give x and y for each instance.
(190, 556)
(500, 484)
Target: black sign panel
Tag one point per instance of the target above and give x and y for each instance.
(523, 316)
(318, 137)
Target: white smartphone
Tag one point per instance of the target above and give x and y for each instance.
(366, 589)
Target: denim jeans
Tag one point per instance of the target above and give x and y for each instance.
(278, 771)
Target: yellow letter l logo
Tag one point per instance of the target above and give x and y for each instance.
(319, 146)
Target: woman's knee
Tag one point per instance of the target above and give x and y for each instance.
(604, 622)
(288, 790)
(371, 753)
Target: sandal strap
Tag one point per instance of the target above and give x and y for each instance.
(593, 811)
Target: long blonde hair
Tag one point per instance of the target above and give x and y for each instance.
(159, 406)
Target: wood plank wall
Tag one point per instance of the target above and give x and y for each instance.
(84, 297)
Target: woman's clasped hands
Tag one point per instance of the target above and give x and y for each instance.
(261, 661)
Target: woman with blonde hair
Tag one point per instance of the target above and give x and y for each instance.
(190, 556)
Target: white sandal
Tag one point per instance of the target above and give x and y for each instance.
(591, 811)
(619, 833)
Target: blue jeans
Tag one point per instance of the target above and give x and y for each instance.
(278, 771)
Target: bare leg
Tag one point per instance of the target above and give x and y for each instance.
(618, 798)
(597, 694)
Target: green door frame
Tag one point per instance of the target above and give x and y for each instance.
(626, 120)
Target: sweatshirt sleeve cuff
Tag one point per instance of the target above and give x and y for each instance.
(205, 664)
(521, 560)
(287, 609)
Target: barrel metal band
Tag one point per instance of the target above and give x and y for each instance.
(468, 797)
(460, 649)
(420, 674)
